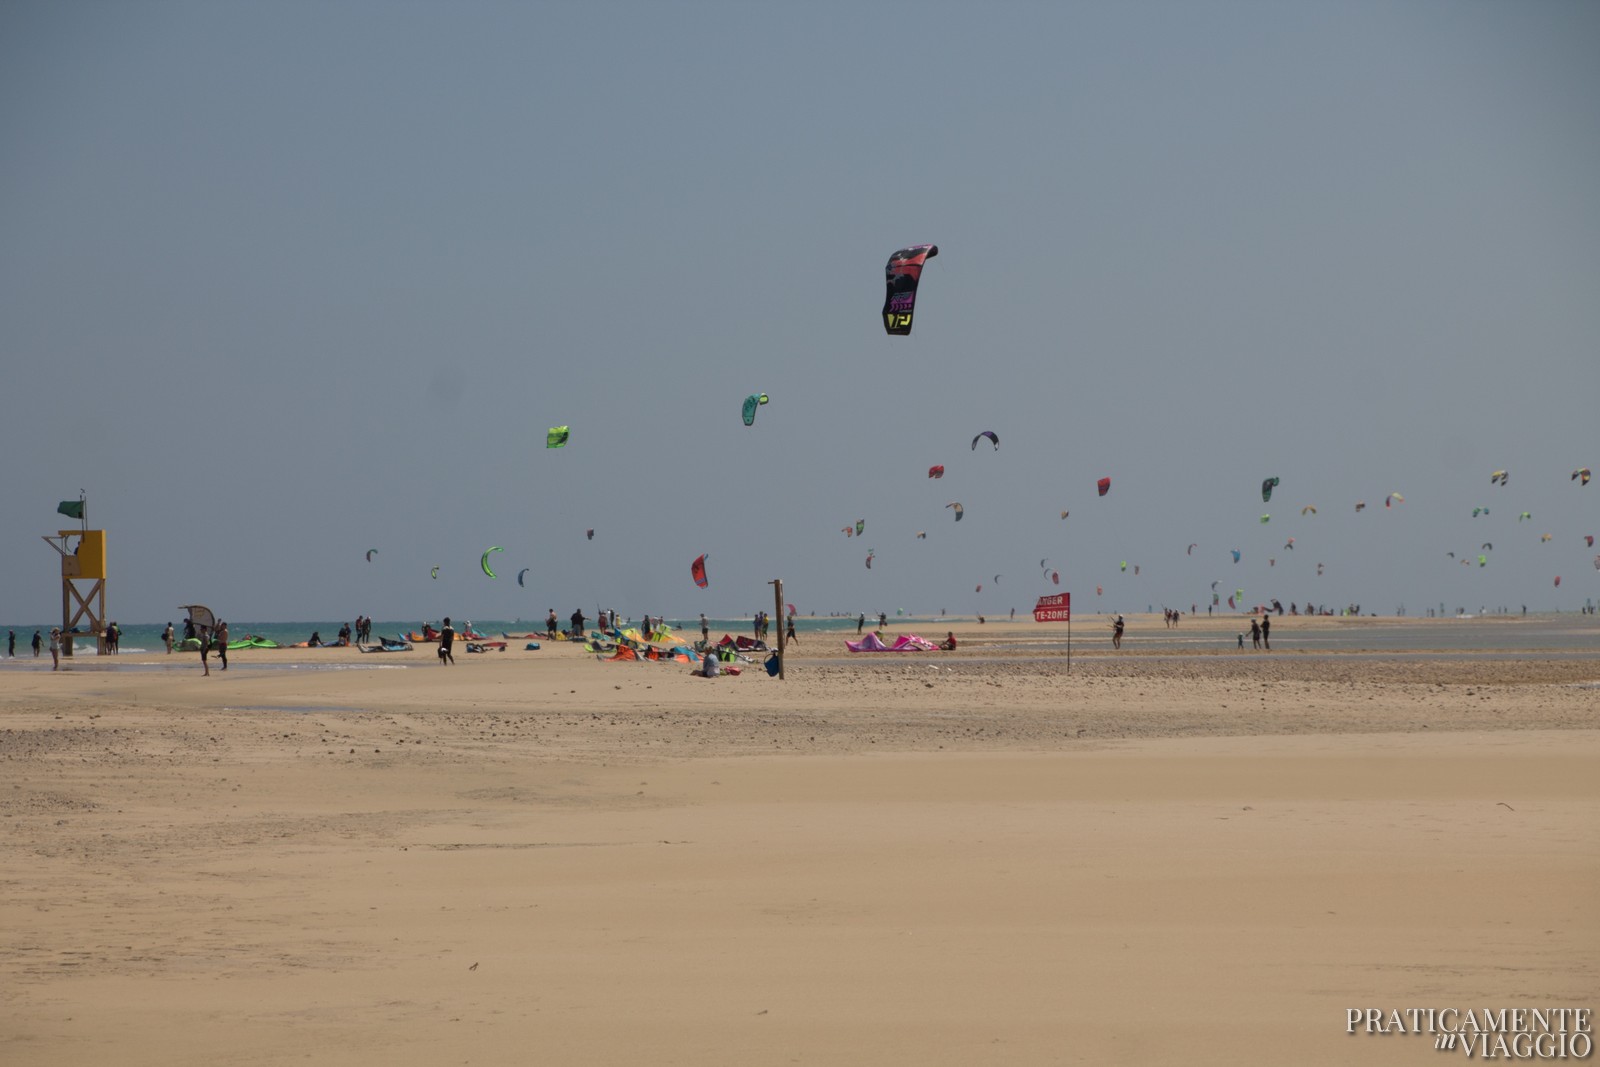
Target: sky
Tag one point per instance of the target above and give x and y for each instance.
(284, 282)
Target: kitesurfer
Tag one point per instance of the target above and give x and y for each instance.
(222, 643)
(1116, 632)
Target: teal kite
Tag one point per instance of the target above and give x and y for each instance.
(751, 403)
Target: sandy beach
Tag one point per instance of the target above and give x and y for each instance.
(933, 859)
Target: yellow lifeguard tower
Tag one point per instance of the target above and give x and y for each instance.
(83, 561)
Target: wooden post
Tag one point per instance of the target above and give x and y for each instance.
(777, 601)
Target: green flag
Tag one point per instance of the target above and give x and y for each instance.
(72, 509)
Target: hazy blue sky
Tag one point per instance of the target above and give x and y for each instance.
(283, 282)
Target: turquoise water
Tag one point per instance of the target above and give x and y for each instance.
(146, 637)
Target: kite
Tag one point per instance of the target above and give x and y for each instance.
(900, 287)
(979, 589)
(1064, 514)
(1310, 509)
(1581, 472)
(1487, 546)
(1098, 591)
(848, 531)
(1289, 544)
(1103, 485)
(1525, 515)
(434, 574)
(1479, 511)
(1135, 568)
(1393, 499)
(1214, 586)
(1192, 548)
(697, 569)
(997, 579)
(1267, 485)
(1360, 504)
(590, 534)
(1124, 566)
(922, 535)
(870, 554)
(861, 524)
(1044, 564)
(936, 471)
(751, 402)
(370, 553)
(1235, 555)
(960, 511)
(1543, 538)
(1503, 477)
(1558, 581)
(200, 615)
(523, 573)
(484, 562)
(556, 437)
(1319, 570)
(1588, 539)
(990, 435)
(1055, 577)
(1266, 518)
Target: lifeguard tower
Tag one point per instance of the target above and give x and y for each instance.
(83, 560)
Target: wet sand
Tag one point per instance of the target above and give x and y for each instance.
(536, 857)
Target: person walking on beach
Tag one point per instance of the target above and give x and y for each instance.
(222, 643)
(1266, 632)
(166, 638)
(36, 644)
(55, 649)
(447, 638)
(705, 628)
(1255, 634)
(205, 649)
(861, 620)
(11, 644)
(1116, 632)
(788, 635)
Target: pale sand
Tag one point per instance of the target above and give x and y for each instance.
(537, 858)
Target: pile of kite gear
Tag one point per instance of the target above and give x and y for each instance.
(619, 646)
(904, 643)
(386, 644)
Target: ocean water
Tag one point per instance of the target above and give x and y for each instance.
(146, 637)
